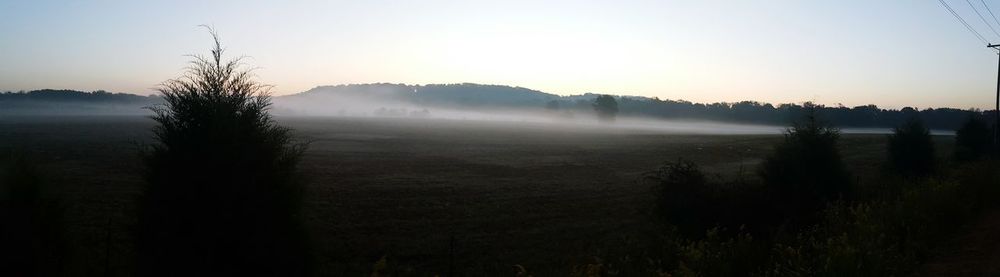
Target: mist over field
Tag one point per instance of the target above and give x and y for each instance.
(390, 101)
(472, 103)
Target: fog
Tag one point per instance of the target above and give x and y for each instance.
(373, 104)
(346, 106)
(72, 108)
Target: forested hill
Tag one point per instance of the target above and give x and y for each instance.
(73, 102)
(457, 95)
(368, 98)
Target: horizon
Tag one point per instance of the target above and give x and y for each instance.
(705, 52)
(920, 108)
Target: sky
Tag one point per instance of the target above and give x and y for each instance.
(892, 53)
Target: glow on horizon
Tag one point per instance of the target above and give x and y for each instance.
(889, 53)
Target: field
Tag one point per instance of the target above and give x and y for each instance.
(429, 195)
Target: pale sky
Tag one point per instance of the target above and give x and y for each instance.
(889, 53)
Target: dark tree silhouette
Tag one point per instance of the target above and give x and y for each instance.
(806, 171)
(606, 107)
(910, 149)
(222, 198)
(31, 225)
(973, 139)
(552, 105)
(684, 197)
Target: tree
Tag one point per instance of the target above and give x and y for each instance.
(806, 171)
(221, 196)
(552, 105)
(973, 139)
(606, 107)
(910, 148)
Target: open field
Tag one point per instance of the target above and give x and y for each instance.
(428, 194)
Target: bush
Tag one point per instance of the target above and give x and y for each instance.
(693, 204)
(222, 197)
(31, 225)
(805, 171)
(883, 238)
(911, 150)
(972, 140)
(684, 198)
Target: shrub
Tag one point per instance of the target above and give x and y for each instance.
(692, 203)
(805, 171)
(972, 140)
(222, 197)
(685, 199)
(910, 149)
(31, 225)
(882, 238)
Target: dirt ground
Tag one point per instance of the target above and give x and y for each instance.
(429, 195)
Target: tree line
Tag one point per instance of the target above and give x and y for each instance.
(67, 95)
(753, 112)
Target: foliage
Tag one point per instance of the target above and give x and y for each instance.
(683, 197)
(911, 150)
(222, 195)
(71, 102)
(692, 202)
(805, 171)
(552, 105)
(65, 95)
(606, 107)
(973, 139)
(31, 224)
(721, 255)
(886, 237)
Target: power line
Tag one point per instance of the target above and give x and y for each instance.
(982, 18)
(991, 12)
(963, 22)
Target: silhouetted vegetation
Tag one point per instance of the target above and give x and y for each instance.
(606, 107)
(552, 105)
(806, 171)
(683, 197)
(888, 235)
(911, 150)
(66, 95)
(973, 140)
(32, 239)
(692, 202)
(222, 196)
(62, 102)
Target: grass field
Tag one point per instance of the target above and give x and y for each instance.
(427, 194)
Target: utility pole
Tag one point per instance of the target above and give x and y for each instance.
(996, 108)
